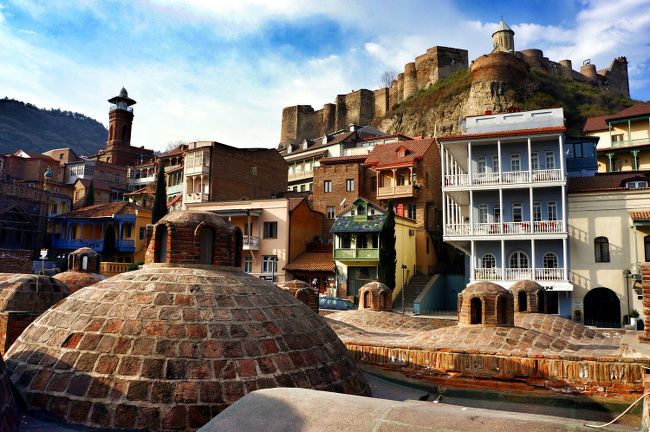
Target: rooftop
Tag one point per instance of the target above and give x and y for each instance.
(601, 182)
(385, 155)
(104, 210)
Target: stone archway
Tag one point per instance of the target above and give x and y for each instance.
(602, 308)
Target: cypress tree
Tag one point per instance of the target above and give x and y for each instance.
(160, 199)
(89, 199)
(387, 253)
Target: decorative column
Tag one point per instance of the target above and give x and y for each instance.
(629, 132)
(503, 260)
(610, 155)
(469, 162)
(635, 159)
(532, 255)
(472, 261)
(565, 259)
(500, 165)
(471, 212)
(530, 163)
(565, 222)
(561, 142)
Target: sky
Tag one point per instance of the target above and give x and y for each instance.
(223, 70)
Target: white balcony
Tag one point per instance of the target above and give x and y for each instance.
(549, 274)
(506, 178)
(194, 170)
(517, 274)
(196, 197)
(505, 228)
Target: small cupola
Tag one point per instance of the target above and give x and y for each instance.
(486, 304)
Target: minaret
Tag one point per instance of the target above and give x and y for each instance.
(120, 120)
(503, 39)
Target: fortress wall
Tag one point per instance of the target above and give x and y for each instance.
(617, 77)
(381, 102)
(448, 61)
(392, 94)
(499, 66)
(410, 80)
(357, 107)
(327, 120)
(400, 87)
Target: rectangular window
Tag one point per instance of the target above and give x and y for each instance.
(349, 185)
(537, 211)
(517, 215)
(411, 211)
(143, 232)
(497, 213)
(495, 163)
(126, 231)
(482, 165)
(270, 264)
(534, 161)
(270, 230)
(515, 162)
(482, 213)
(327, 186)
(552, 210)
(550, 160)
(373, 183)
(588, 149)
(248, 264)
(617, 138)
(330, 212)
(302, 188)
(401, 179)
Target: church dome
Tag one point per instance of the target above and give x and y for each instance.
(173, 344)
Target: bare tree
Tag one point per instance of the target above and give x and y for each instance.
(387, 78)
(171, 145)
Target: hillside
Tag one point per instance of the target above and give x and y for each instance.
(25, 126)
(438, 109)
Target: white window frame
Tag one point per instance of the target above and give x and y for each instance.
(482, 213)
(521, 212)
(496, 213)
(549, 158)
(331, 212)
(481, 165)
(327, 186)
(534, 161)
(537, 211)
(515, 157)
(551, 210)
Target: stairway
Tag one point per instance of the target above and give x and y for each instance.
(413, 289)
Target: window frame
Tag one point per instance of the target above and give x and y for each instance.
(327, 186)
(550, 256)
(549, 160)
(601, 250)
(349, 185)
(330, 212)
(515, 157)
(270, 230)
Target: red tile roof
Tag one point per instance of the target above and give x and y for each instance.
(636, 110)
(385, 155)
(294, 202)
(519, 132)
(98, 185)
(174, 200)
(606, 181)
(594, 124)
(344, 159)
(640, 215)
(312, 261)
(104, 210)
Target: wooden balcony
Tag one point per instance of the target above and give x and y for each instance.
(403, 191)
(356, 254)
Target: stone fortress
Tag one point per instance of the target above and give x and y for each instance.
(503, 65)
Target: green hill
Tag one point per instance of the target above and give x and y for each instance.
(25, 126)
(438, 109)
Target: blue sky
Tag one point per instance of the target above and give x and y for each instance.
(223, 70)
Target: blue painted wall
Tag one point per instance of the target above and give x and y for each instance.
(541, 247)
(509, 148)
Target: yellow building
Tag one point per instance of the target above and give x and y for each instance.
(357, 241)
(117, 231)
(609, 237)
(624, 143)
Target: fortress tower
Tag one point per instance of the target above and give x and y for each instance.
(120, 121)
(503, 39)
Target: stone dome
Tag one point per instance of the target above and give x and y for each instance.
(486, 303)
(302, 291)
(529, 297)
(8, 415)
(83, 268)
(172, 345)
(23, 297)
(376, 296)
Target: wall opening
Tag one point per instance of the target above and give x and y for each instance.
(206, 246)
(522, 300)
(160, 253)
(84, 262)
(367, 299)
(602, 308)
(502, 310)
(476, 311)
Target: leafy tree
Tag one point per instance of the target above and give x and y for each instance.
(387, 253)
(160, 199)
(89, 199)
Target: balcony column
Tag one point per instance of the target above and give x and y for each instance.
(562, 156)
(444, 214)
(119, 233)
(565, 260)
(411, 175)
(564, 205)
(469, 161)
(471, 212)
(610, 156)
(503, 260)
(501, 210)
(532, 256)
(500, 164)
(394, 180)
(530, 163)
(635, 159)
(629, 132)
(472, 261)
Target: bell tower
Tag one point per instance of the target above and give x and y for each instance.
(503, 39)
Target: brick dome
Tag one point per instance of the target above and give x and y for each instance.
(172, 345)
(76, 280)
(302, 292)
(23, 297)
(83, 268)
(486, 303)
(529, 296)
(376, 296)
(8, 416)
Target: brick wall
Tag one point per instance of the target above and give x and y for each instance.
(645, 286)
(15, 261)
(12, 325)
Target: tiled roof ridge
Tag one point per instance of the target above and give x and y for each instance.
(496, 134)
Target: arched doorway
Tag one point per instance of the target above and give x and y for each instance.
(206, 245)
(367, 300)
(476, 311)
(602, 308)
(160, 252)
(522, 300)
(502, 310)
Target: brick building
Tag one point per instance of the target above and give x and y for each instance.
(219, 172)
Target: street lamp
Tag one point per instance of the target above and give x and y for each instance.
(403, 287)
(627, 274)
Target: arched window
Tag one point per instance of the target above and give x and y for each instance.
(160, 254)
(519, 259)
(601, 249)
(522, 300)
(646, 247)
(206, 245)
(550, 260)
(476, 311)
(84, 262)
(502, 310)
(367, 299)
(488, 261)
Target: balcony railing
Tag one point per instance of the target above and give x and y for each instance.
(516, 274)
(506, 228)
(196, 197)
(508, 177)
(112, 268)
(97, 245)
(402, 190)
(631, 143)
(251, 243)
(174, 189)
(201, 169)
(356, 254)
